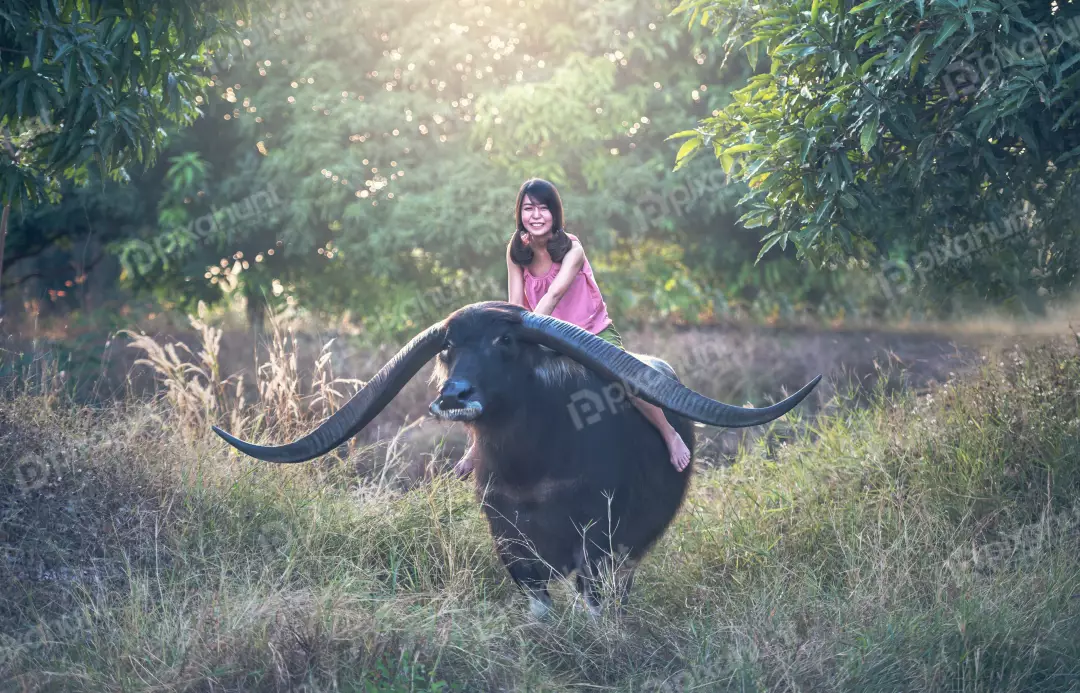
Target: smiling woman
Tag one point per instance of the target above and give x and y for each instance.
(547, 268)
(549, 274)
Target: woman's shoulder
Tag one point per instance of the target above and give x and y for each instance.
(575, 242)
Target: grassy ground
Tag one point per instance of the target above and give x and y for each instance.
(923, 543)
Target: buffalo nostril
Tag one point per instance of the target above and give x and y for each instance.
(457, 390)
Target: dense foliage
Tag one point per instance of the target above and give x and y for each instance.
(396, 179)
(349, 158)
(402, 132)
(892, 126)
(95, 82)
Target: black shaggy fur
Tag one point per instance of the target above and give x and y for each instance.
(559, 497)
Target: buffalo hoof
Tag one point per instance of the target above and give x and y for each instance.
(591, 610)
(539, 608)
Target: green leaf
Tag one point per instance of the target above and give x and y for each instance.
(727, 162)
(1072, 153)
(71, 73)
(740, 148)
(769, 242)
(869, 35)
(906, 60)
(84, 103)
(868, 63)
(936, 65)
(917, 58)
(948, 28)
(752, 55)
(160, 24)
(10, 80)
(688, 147)
(39, 50)
(20, 98)
(41, 101)
(1065, 116)
(868, 136)
(1064, 67)
(862, 7)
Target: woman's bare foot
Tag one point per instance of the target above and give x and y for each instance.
(680, 454)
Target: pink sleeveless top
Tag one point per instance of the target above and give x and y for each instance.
(582, 303)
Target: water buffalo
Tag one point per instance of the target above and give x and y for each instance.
(572, 477)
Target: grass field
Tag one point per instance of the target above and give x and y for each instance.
(918, 543)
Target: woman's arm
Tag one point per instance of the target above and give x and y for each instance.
(515, 282)
(571, 264)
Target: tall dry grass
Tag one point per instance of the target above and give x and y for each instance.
(199, 396)
(925, 542)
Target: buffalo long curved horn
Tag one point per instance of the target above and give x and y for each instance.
(645, 381)
(358, 412)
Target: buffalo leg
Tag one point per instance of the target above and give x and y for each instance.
(529, 574)
(586, 587)
(624, 583)
(621, 574)
(585, 582)
(534, 583)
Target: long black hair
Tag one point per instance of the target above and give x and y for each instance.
(542, 192)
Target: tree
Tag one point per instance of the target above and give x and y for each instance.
(402, 131)
(395, 136)
(896, 127)
(91, 84)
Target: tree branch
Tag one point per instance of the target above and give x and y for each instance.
(20, 281)
(27, 277)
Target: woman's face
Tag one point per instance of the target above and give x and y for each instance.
(536, 218)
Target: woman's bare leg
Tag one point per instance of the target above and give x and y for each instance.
(680, 454)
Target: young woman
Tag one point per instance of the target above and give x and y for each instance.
(550, 275)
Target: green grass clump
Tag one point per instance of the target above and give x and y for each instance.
(925, 543)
